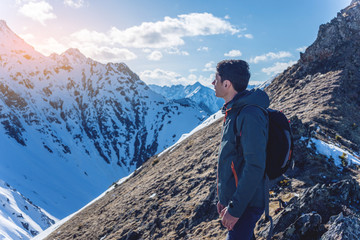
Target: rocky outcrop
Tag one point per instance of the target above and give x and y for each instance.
(323, 87)
(342, 227)
(306, 216)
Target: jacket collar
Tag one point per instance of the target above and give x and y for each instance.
(228, 106)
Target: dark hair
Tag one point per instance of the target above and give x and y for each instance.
(236, 71)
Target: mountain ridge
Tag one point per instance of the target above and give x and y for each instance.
(203, 96)
(331, 62)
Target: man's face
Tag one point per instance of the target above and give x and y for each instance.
(219, 88)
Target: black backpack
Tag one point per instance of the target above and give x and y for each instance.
(280, 143)
(278, 151)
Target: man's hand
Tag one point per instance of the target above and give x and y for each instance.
(220, 207)
(227, 220)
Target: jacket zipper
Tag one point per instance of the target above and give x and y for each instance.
(217, 172)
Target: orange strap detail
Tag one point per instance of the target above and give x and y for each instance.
(234, 172)
(226, 113)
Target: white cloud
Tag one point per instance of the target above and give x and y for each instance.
(167, 34)
(193, 70)
(227, 17)
(277, 68)
(74, 3)
(176, 51)
(233, 53)
(205, 49)
(103, 54)
(146, 50)
(301, 49)
(48, 46)
(270, 56)
(168, 78)
(86, 35)
(155, 56)
(209, 67)
(107, 54)
(171, 31)
(38, 11)
(246, 35)
(161, 77)
(27, 37)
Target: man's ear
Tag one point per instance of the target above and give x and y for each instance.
(227, 83)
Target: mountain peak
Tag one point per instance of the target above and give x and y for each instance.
(5, 31)
(197, 84)
(74, 55)
(12, 43)
(3, 25)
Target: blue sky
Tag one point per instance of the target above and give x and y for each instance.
(170, 42)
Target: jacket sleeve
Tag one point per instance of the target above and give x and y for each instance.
(254, 132)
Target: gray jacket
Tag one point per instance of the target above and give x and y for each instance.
(241, 169)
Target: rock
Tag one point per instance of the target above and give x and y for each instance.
(322, 88)
(132, 235)
(343, 227)
(306, 226)
(306, 215)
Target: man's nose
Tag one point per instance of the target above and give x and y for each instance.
(213, 82)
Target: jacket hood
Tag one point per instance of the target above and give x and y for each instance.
(249, 97)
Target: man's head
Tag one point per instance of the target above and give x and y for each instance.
(235, 71)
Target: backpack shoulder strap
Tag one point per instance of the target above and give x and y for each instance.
(238, 134)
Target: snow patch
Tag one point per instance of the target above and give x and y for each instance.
(334, 152)
(19, 218)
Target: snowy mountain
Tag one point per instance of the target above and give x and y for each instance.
(16, 211)
(203, 96)
(71, 126)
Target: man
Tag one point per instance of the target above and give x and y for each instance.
(241, 167)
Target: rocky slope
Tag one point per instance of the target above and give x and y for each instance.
(323, 87)
(173, 195)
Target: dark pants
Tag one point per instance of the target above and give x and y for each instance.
(244, 227)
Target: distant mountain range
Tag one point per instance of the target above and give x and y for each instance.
(198, 93)
(203, 96)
